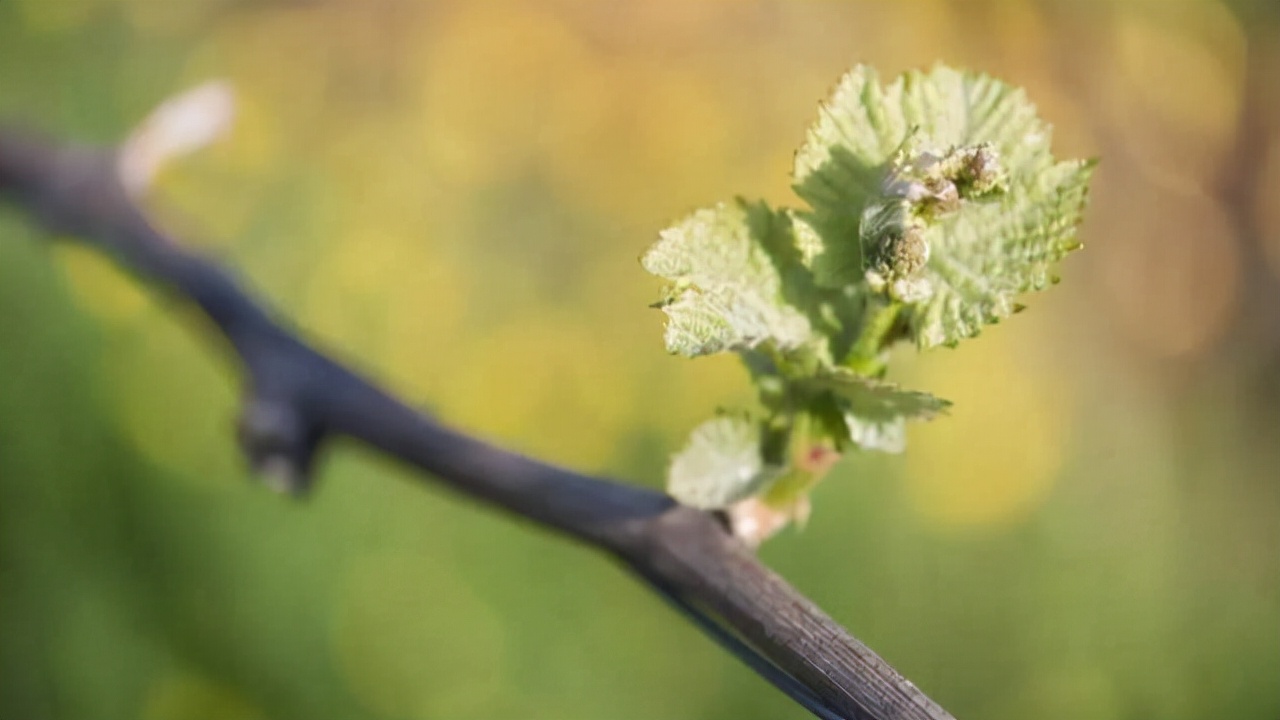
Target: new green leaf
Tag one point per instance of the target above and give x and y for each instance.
(875, 413)
(726, 290)
(950, 166)
(722, 464)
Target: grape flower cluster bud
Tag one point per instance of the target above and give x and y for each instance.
(919, 189)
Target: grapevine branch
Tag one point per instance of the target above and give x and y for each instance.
(297, 398)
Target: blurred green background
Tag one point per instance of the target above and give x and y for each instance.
(453, 195)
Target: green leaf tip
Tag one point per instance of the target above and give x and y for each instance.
(930, 204)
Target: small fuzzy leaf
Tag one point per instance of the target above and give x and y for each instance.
(721, 465)
(727, 290)
(875, 412)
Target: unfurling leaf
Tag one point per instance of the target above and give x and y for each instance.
(722, 464)
(726, 291)
(875, 413)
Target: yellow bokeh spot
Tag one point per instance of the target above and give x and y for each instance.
(189, 696)
(663, 135)
(995, 458)
(548, 385)
(205, 212)
(412, 640)
(375, 167)
(98, 285)
(489, 74)
(424, 318)
(386, 295)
